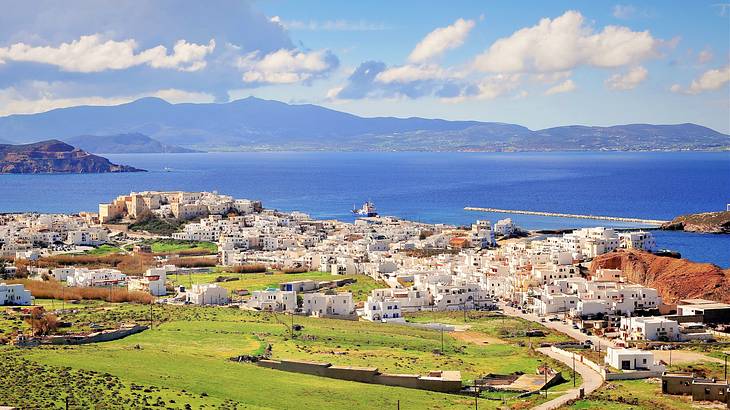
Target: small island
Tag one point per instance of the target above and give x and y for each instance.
(53, 156)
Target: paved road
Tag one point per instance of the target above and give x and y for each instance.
(559, 326)
(591, 381)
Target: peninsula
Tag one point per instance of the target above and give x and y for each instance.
(54, 156)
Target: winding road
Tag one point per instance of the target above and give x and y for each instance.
(591, 381)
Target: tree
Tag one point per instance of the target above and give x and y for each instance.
(3, 271)
(42, 323)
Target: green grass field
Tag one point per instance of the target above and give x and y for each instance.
(172, 246)
(258, 281)
(103, 250)
(185, 359)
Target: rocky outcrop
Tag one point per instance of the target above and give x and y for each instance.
(674, 278)
(54, 156)
(706, 222)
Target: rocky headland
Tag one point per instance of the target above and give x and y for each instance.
(54, 156)
(706, 222)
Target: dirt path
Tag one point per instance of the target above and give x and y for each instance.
(476, 337)
(684, 356)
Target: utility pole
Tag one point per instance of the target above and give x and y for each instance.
(442, 339)
(292, 326)
(476, 396)
(151, 324)
(573, 369)
(670, 357)
(725, 366)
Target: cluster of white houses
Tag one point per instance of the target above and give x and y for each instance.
(425, 266)
(30, 234)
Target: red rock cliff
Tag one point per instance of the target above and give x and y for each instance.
(674, 278)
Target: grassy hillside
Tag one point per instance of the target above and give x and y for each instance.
(185, 359)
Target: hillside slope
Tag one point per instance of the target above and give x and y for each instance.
(674, 278)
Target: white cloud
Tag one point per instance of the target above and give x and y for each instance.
(175, 96)
(497, 85)
(92, 54)
(564, 43)
(621, 11)
(704, 56)
(41, 96)
(409, 73)
(329, 25)
(550, 78)
(438, 41)
(564, 87)
(628, 80)
(710, 80)
(286, 66)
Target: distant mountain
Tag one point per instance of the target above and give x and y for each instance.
(53, 156)
(255, 124)
(134, 143)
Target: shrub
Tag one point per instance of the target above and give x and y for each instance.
(252, 268)
(53, 289)
(197, 262)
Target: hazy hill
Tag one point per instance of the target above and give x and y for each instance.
(135, 143)
(53, 156)
(255, 124)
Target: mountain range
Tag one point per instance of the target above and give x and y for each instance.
(254, 124)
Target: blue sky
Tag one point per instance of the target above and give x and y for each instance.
(535, 63)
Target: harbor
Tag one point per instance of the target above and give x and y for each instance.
(562, 215)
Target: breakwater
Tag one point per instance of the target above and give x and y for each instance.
(561, 215)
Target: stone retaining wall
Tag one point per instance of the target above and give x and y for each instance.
(364, 375)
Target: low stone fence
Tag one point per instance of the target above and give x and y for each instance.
(632, 375)
(603, 370)
(366, 375)
(96, 337)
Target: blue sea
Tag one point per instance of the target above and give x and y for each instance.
(428, 187)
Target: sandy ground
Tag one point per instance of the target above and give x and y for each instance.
(684, 356)
(476, 337)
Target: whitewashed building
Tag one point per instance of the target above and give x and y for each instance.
(273, 300)
(632, 359)
(325, 305)
(152, 282)
(15, 295)
(82, 277)
(207, 294)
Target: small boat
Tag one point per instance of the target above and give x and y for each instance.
(368, 209)
(168, 169)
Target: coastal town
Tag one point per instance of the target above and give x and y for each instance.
(617, 329)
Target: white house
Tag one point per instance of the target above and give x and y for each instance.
(632, 359)
(273, 300)
(152, 282)
(649, 328)
(504, 227)
(62, 273)
(388, 310)
(320, 304)
(15, 295)
(207, 294)
(95, 277)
